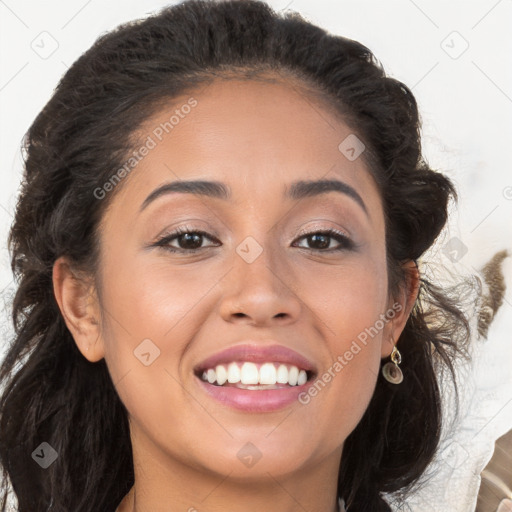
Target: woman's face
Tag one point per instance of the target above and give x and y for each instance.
(254, 282)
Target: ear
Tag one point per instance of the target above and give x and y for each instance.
(402, 306)
(78, 303)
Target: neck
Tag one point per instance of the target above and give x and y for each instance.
(129, 504)
(160, 479)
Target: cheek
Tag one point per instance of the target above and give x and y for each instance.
(348, 298)
(349, 305)
(151, 297)
(151, 307)
(151, 316)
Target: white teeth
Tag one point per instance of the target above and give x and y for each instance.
(282, 374)
(222, 374)
(268, 374)
(293, 375)
(211, 376)
(302, 378)
(233, 373)
(247, 373)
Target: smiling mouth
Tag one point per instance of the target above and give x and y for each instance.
(253, 376)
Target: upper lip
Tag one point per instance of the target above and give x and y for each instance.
(257, 353)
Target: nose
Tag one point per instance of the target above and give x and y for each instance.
(262, 292)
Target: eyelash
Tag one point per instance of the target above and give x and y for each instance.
(345, 242)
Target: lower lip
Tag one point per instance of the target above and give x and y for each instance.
(265, 400)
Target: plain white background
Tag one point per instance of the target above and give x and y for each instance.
(455, 56)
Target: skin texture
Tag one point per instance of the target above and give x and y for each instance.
(257, 138)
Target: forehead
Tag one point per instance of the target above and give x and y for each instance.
(255, 136)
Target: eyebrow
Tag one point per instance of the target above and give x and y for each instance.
(216, 189)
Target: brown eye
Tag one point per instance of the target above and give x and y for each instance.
(186, 240)
(321, 241)
(189, 241)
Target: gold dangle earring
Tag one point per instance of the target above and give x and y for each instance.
(391, 371)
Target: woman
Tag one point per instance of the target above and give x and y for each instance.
(220, 303)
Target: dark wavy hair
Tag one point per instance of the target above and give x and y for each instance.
(53, 394)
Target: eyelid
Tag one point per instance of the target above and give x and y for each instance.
(315, 229)
(180, 230)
